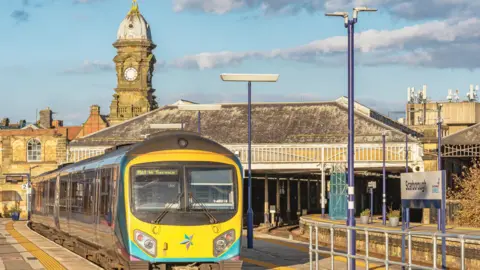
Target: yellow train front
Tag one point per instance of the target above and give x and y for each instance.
(180, 203)
(172, 200)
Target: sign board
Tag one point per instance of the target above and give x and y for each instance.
(24, 186)
(273, 209)
(421, 189)
(372, 184)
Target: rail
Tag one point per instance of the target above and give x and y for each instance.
(387, 261)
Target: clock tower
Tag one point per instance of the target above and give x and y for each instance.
(134, 64)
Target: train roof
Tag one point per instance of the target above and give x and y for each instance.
(168, 140)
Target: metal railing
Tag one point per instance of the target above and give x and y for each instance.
(277, 153)
(387, 261)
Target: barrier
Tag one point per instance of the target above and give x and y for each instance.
(315, 251)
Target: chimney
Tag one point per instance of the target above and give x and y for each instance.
(57, 123)
(94, 110)
(46, 118)
(5, 122)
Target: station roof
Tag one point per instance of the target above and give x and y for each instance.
(273, 123)
(468, 136)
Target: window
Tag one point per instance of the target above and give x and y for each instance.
(34, 150)
(212, 187)
(156, 188)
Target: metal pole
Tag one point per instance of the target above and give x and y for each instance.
(404, 210)
(199, 123)
(351, 147)
(407, 217)
(443, 203)
(371, 204)
(323, 190)
(384, 195)
(249, 211)
(28, 194)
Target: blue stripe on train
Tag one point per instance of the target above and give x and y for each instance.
(140, 254)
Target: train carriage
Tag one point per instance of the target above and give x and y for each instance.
(174, 200)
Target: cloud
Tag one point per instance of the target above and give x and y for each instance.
(443, 44)
(20, 16)
(408, 9)
(91, 67)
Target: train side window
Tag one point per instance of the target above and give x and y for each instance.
(105, 191)
(45, 197)
(76, 192)
(63, 194)
(51, 195)
(88, 193)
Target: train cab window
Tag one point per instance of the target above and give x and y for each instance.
(211, 186)
(155, 188)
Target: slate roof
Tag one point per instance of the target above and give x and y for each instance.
(468, 136)
(273, 123)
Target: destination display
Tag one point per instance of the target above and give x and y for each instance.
(141, 172)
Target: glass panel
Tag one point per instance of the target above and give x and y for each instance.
(155, 188)
(212, 187)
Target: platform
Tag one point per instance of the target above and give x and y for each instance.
(24, 249)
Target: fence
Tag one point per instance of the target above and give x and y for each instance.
(387, 235)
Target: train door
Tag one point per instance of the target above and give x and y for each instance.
(104, 201)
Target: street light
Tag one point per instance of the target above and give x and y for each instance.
(441, 213)
(199, 108)
(384, 193)
(349, 24)
(249, 78)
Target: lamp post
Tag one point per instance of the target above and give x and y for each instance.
(349, 24)
(442, 214)
(199, 108)
(384, 186)
(249, 78)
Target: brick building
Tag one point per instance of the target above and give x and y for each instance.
(33, 148)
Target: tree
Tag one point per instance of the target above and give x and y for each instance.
(467, 193)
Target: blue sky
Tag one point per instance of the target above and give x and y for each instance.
(59, 53)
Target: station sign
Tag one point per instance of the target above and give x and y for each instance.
(421, 189)
(372, 184)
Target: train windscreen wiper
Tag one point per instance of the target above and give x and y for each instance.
(167, 208)
(212, 218)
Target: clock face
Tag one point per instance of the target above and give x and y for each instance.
(130, 74)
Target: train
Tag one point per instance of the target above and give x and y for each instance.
(172, 201)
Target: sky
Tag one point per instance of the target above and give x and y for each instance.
(59, 53)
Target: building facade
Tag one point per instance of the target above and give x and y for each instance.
(30, 150)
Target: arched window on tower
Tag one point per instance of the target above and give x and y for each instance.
(34, 150)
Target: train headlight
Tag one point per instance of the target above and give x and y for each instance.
(223, 242)
(146, 242)
(182, 143)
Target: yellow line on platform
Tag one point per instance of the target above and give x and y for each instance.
(45, 259)
(266, 264)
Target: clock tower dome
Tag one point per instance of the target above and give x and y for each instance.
(134, 64)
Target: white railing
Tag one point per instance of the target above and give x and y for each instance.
(299, 153)
(328, 153)
(386, 261)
